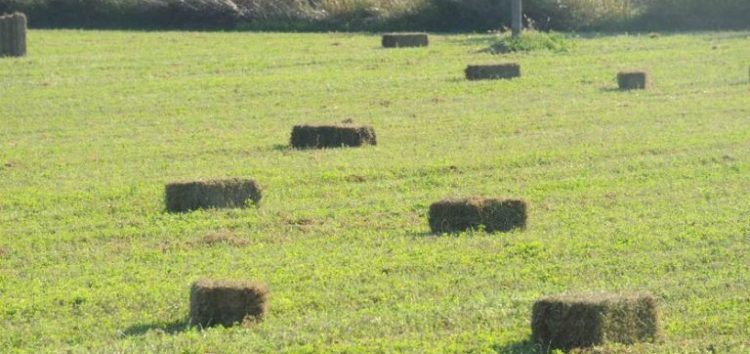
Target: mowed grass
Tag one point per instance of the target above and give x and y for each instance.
(628, 191)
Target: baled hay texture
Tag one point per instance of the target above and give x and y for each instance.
(491, 72)
(13, 35)
(331, 136)
(452, 215)
(226, 302)
(403, 40)
(226, 193)
(584, 320)
(633, 80)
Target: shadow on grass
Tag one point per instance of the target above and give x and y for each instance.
(526, 346)
(459, 80)
(453, 234)
(424, 234)
(484, 40)
(173, 327)
(490, 40)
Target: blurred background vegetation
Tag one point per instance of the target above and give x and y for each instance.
(378, 15)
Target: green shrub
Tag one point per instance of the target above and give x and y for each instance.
(693, 14)
(432, 15)
(465, 14)
(584, 14)
(531, 41)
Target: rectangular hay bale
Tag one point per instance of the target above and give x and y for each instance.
(493, 72)
(585, 320)
(331, 136)
(226, 302)
(633, 80)
(404, 40)
(224, 193)
(453, 215)
(13, 35)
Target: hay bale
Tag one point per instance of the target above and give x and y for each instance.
(493, 72)
(227, 193)
(403, 40)
(584, 320)
(331, 136)
(633, 80)
(13, 35)
(452, 215)
(226, 302)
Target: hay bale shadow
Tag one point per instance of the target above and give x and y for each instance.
(405, 40)
(223, 193)
(476, 213)
(331, 136)
(526, 346)
(429, 234)
(173, 327)
(493, 72)
(280, 147)
(586, 320)
(610, 89)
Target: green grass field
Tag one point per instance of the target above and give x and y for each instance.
(628, 191)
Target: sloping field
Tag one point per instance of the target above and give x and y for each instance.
(627, 191)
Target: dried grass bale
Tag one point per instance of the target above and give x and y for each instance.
(584, 320)
(13, 35)
(493, 72)
(633, 80)
(404, 40)
(226, 193)
(226, 302)
(452, 215)
(331, 136)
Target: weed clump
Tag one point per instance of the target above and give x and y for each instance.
(633, 80)
(331, 136)
(13, 35)
(453, 215)
(226, 193)
(492, 72)
(532, 41)
(585, 320)
(404, 40)
(226, 302)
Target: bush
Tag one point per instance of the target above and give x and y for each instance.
(433, 15)
(464, 14)
(127, 13)
(693, 14)
(584, 14)
(531, 41)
